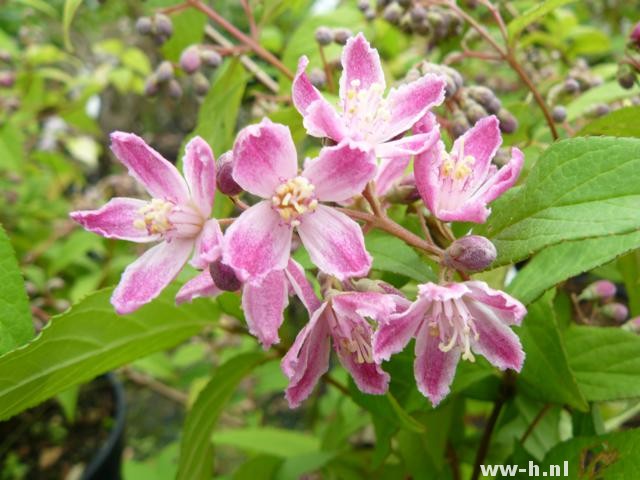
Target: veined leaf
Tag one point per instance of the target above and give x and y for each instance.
(535, 13)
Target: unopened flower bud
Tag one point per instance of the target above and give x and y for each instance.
(508, 123)
(211, 58)
(459, 124)
(377, 286)
(559, 114)
(571, 85)
(7, 79)
(370, 14)
(601, 110)
(224, 175)
(600, 290)
(634, 37)
(324, 36)
(470, 254)
(190, 59)
(144, 25)
(164, 27)
(418, 14)
(615, 311)
(392, 13)
(164, 72)
(476, 112)
(174, 89)
(341, 35)
(364, 5)
(151, 86)
(317, 77)
(224, 276)
(200, 84)
(485, 97)
(626, 76)
(54, 283)
(632, 325)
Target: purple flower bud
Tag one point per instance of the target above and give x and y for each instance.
(571, 85)
(324, 36)
(224, 175)
(600, 290)
(164, 72)
(317, 77)
(635, 35)
(190, 59)
(633, 325)
(200, 84)
(144, 25)
(174, 89)
(508, 123)
(615, 311)
(470, 254)
(151, 86)
(211, 58)
(164, 27)
(341, 35)
(224, 276)
(7, 79)
(559, 114)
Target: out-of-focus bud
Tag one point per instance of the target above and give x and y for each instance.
(364, 5)
(377, 286)
(392, 13)
(224, 277)
(404, 192)
(459, 123)
(5, 56)
(615, 311)
(369, 14)
(476, 112)
(61, 305)
(508, 123)
(470, 254)
(164, 72)
(7, 79)
(559, 114)
(571, 85)
(600, 290)
(632, 325)
(151, 86)
(190, 59)
(211, 58)
(341, 35)
(626, 76)
(54, 283)
(174, 89)
(144, 25)
(634, 37)
(164, 27)
(600, 110)
(418, 14)
(324, 36)
(485, 97)
(224, 175)
(200, 84)
(317, 77)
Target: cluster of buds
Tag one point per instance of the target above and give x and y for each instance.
(159, 27)
(628, 70)
(326, 36)
(602, 295)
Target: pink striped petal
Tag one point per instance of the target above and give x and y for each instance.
(199, 286)
(322, 120)
(393, 334)
(301, 286)
(341, 172)
(369, 377)
(496, 341)
(374, 305)
(505, 178)
(407, 146)
(208, 246)
(360, 63)
(144, 279)
(335, 243)
(115, 220)
(157, 175)
(264, 156)
(200, 172)
(481, 142)
(508, 309)
(426, 168)
(410, 103)
(263, 303)
(303, 93)
(257, 242)
(433, 368)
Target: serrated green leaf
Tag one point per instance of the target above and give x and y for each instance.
(16, 327)
(619, 123)
(390, 254)
(535, 13)
(91, 339)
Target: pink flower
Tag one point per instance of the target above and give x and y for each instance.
(452, 321)
(458, 186)
(365, 114)
(177, 216)
(340, 317)
(265, 164)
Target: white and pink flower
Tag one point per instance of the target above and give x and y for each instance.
(364, 113)
(265, 164)
(449, 322)
(457, 186)
(177, 216)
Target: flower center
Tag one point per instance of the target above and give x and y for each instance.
(458, 167)
(294, 198)
(154, 217)
(366, 110)
(455, 327)
(358, 344)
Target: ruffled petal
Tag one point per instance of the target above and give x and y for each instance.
(426, 167)
(257, 242)
(303, 93)
(199, 286)
(115, 220)
(508, 309)
(504, 179)
(264, 156)
(157, 175)
(433, 368)
(341, 172)
(301, 286)
(364, 304)
(335, 243)
(393, 334)
(208, 246)
(360, 66)
(481, 142)
(263, 303)
(144, 279)
(410, 103)
(199, 168)
(322, 120)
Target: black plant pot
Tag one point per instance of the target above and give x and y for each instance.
(106, 463)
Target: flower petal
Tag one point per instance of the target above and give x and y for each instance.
(263, 303)
(426, 168)
(322, 120)
(364, 304)
(341, 172)
(433, 368)
(389, 172)
(257, 242)
(208, 247)
(144, 279)
(301, 286)
(481, 142)
(410, 103)
(303, 93)
(407, 146)
(504, 179)
(393, 334)
(115, 220)
(157, 175)
(369, 377)
(200, 172)
(199, 286)
(335, 243)
(307, 359)
(508, 309)
(360, 63)
(264, 156)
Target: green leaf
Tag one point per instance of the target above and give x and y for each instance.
(629, 267)
(619, 123)
(390, 254)
(15, 315)
(269, 440)
(41, 6)
(546, 374)
(196, 450)
(606, 93)
(579, 188)
(70, 9)
(605, 362)
(188, 29)
(564, 260)
(535, 13)
(91, 339)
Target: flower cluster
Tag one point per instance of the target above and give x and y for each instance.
(373, 137)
